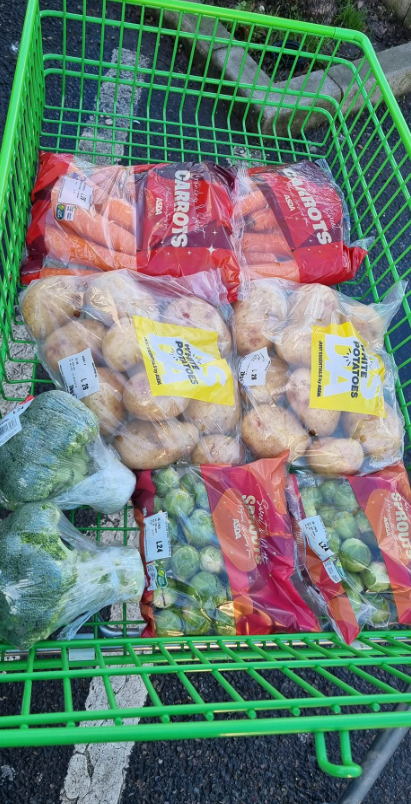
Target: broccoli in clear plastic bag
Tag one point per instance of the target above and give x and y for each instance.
(58, 456)
(53, 576)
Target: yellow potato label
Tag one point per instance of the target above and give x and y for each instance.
(184, 361)
(344, 375)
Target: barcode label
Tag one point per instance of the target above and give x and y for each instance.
(75, 191)
(253, 368)
(69, 212)
(315, 532)
(79, 374)
(332, 570)
(11, 424)
(156, 538)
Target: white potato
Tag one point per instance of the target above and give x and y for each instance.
(380, 438)
(107, 403)
(274, 386)
(318, 422)
(120, 345)
(335, 456)
(194, 312)
(268, 431)
(139, 400)
(144, 445)
(293, 345)
(78, 335)
(366, 320)
(264, 302)
(50, 303)
(209, 417)
(115, 295)
(218, 449)
(314, 304)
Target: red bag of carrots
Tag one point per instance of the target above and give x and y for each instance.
(169, 219)
(296, 225)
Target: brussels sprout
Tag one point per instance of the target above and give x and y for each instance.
(224, 624)
(380, 614)
(353, 581)
(355, 556)
(173, 531)
(168, 623)
(327, 514)
(201, 496)
(328, 489)
(345, 525)
(355, 600)
(199, 528)
(158, 504)
(376, 577)
(333, 540)
(185, 562)
(195, 621)
(165, 596)
(209, 587)
(179, 502)
(362, 522)
(188, 482)
(345, 498)
(166, 479)
(211, 559)
(311, 498)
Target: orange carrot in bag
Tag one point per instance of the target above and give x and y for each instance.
(251, 202)
(92, 226)
(69, 247)
(283, 270)
(262, 220)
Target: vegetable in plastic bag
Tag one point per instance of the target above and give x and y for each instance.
(88, 215)
(51, 575)
(159, 353)
(365, 579)
(58, 456)
(227, 565)
(296, 224)
(333, 405)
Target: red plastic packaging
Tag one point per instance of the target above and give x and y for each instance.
(252, 528)
(296, 225)
(169, 219)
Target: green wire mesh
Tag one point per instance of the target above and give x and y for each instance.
(170, 81)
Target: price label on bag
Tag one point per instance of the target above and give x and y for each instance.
(79, 374)
(10, 424)
(75, 191)
(253, 368)
(316, 534)
(332, 570)
(157, 543)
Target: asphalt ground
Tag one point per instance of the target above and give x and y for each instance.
(267, 770)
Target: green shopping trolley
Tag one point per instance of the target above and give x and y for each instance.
(172, 81)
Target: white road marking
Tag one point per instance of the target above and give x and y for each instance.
(108, 106)
(96, 773)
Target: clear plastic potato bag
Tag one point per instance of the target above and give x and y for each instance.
(54, 452)
(218, 551)
(316, 379)
(52, 576)
(152, 357)
(353, 547)
(163, 220)
(296, 224)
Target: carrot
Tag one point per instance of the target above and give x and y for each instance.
(120, 212)
(273, 244)
(92, 226)
(251, 202)
(69, 247)
(262, 220)
(284, 270)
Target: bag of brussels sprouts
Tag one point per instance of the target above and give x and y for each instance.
(218, 551)
(353, 546)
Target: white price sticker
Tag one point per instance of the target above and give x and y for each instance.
(332, 570)
(156, 538)
(80, 374)
(253, 368)
(315, 532)
(10, 424)
(152, 573)
(69, 212)
(75, 191)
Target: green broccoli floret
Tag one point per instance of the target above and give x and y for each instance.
(50, 574)
(49, 454)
